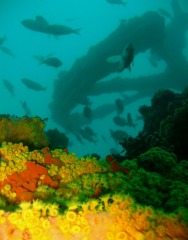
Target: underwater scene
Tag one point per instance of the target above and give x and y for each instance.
(94, 120)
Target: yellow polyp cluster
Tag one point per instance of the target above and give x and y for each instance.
(13, 159)
(42, 221)
(9, 150)
(53, 170)
(2, 218)
(64, 157)
(37, 156)
(67, 200)
(6, 191)
(75, 167)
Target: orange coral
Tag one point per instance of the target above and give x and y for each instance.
(26, 182)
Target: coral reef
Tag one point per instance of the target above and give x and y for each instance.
(52, 194)
(57, 139)
(29, 131)
(165, 125)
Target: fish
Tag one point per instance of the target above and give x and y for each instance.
(32, 85)
(42, 21)
(127, 58)
(87, 112)
(120, 2)
(90, 131)
(58, 30)
(119, 106)
(9, 86)
(118, 135)
(7, 51)
(120, 121)
(130, 122)
(86, 135)
(26, 108)
(35, 25)
(2, 40)
(49, 61)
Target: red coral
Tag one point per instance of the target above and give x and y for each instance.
(114, 165)
(48, 159)
(25, 183)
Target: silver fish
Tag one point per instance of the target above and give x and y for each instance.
(119, 106)
(119, 135)
(120, 121)
(127, 58)
(58, 30)
(2, 40)
(9, 86)
(32, 85)
(26, 108)
(86, 135)
(49, 61)
(120, 2)
(130, 122)
(42, 20)
(35, 25)
(7, 51)
(87, 112)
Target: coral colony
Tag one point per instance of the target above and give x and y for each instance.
(53, 194)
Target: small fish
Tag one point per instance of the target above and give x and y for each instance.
(9, 86)
(49, 61)
(127, 58)
(87, 112)
(119, 106)
(7, 51)
(2, 40)
(119, 135)
(119, 2)
(35, 25)
(90, 131)
(86, 135)
(42, 20)
(32, 85)
(26, 108)
(120, 121)
(130, 122)
(58, 30)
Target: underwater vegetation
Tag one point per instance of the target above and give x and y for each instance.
(84, 198)
(143, 196)
(29, 131)
(165, 125)
(48, 193)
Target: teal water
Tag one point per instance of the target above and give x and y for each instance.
(96, 20)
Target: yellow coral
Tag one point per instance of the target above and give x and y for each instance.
(71, 216)
(121, 235)
(53, 210)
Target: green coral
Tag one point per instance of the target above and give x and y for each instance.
(178, 196)
(157, 160)
(29, 131)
